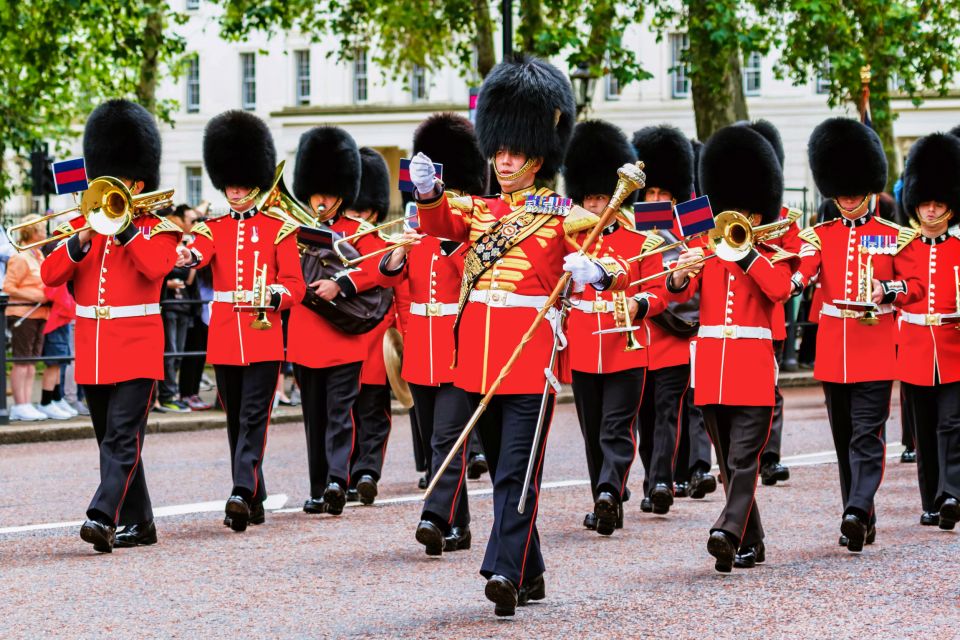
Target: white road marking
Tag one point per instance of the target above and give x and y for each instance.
(276, 503)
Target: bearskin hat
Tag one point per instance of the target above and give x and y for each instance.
(449, 139)
(739, 170)
(121, 140)
(328, 163)
(526, 105)
(667, 157)
(846, 158)
(238, 151)
(932, 172)
(374, 183)
(955, 131)
(768, 131)
(597, 149)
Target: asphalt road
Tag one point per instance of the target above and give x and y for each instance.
(363, 574)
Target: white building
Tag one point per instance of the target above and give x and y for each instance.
(294, 85)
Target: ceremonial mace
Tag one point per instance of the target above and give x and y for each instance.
(631, 178)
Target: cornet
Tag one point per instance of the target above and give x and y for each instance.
(624, 322)
(108, 207)
(863, 308)
(261, 296)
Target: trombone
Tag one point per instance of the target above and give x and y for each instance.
(108, 207)
(392, 243)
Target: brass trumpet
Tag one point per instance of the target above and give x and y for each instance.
(261, 296)
(108, 207)
(392, 242)
(624, 322)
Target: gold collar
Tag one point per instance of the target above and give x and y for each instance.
(518, 198)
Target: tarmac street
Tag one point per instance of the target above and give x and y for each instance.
(362, 574)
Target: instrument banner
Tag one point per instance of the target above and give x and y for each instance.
(651, 216)
(70, 176)
(695, 216)
(405, 183)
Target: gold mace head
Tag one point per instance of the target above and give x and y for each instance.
(631, 178)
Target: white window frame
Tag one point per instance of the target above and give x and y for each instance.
(821, 83)
(419, 80)
(192, 101)
(248, 81)
(752, 71)
(679, 42)
(192, 5)
(361, 87)
(194, 184)
(301, 76)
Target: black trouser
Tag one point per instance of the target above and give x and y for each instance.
(119, 415)
(936, 413)
(908, 427)
(371, 413)
(246, 392)
(442, 413)
(327, 397)
(175, 327)
(771, 453)
(506, 432)
(858, 415)
(191, 367)
(420, 454)
(661, 417)
(607, 407)
(739, 434)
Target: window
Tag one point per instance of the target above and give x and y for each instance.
(248, 82)
(679, 42)
(751, 73)
(611, 88)
(193, 84)
(194, 186)
(823, 78)
(418, 83)
(301, 62)
(193, 5)
(360, 76)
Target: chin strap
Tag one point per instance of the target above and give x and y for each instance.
(518, 174)
(857, 211)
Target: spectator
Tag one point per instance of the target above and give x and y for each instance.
(177, 315)
(23, 284)
(6, 250)
(57, 343)
(201, 288)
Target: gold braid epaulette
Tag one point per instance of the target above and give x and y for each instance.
(287, 229)
(809, 235)
(164, 226)
(201, 229)
(652, 241)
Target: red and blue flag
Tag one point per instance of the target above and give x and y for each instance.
(70, 176)
(649, 216)
(695, 216)
(405, 183)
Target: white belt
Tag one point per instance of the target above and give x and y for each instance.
(126, 311)
(494, 298)
(922, 319)
(734, 332)
(433, 309)
(832, 311)
(233, 296)
(594, 306)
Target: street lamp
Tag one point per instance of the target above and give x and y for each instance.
(584, 84)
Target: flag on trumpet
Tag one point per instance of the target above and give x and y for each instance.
(320, 237)
(70, 176)
(695, 216)
(405, 183)
(653, 215)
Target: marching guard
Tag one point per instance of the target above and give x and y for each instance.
(433, 270)
(256, 274)
(608, 369)
(525, 113)
(856, 350)
(116, 282)
(928, 359)
(734, 369)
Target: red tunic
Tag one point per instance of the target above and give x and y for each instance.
(847, 350)
(790, 242)
(606, 353)
(926, 351)
(732, 370)
(231, 245)
(314, 342)
(488, 333)
(113, 275)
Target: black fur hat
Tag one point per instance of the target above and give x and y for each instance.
(596, 150)
(768, 131)
(846, 158)
(449, 139)
(328, 163)
(526, 105)
(667, 157)
(238, 151)
(932, 172)
(739, 170)
(955, 131)
(121, 140)
(374, 183)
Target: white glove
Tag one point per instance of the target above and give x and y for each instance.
(583, 269)
(422, 174)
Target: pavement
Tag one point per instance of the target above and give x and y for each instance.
(80, 427)
(362, 575)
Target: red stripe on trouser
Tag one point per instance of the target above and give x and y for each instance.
(633, 438)
(754, 501)
(536, 502)
(126, 487)
(463, 472)
(263, 449)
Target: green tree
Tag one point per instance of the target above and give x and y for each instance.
(911, 46)
(58, 58)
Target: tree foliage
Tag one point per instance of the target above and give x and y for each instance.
(911, 46)
(59, 58)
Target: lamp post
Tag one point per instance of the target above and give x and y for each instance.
(506, 15)
(584, 84)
